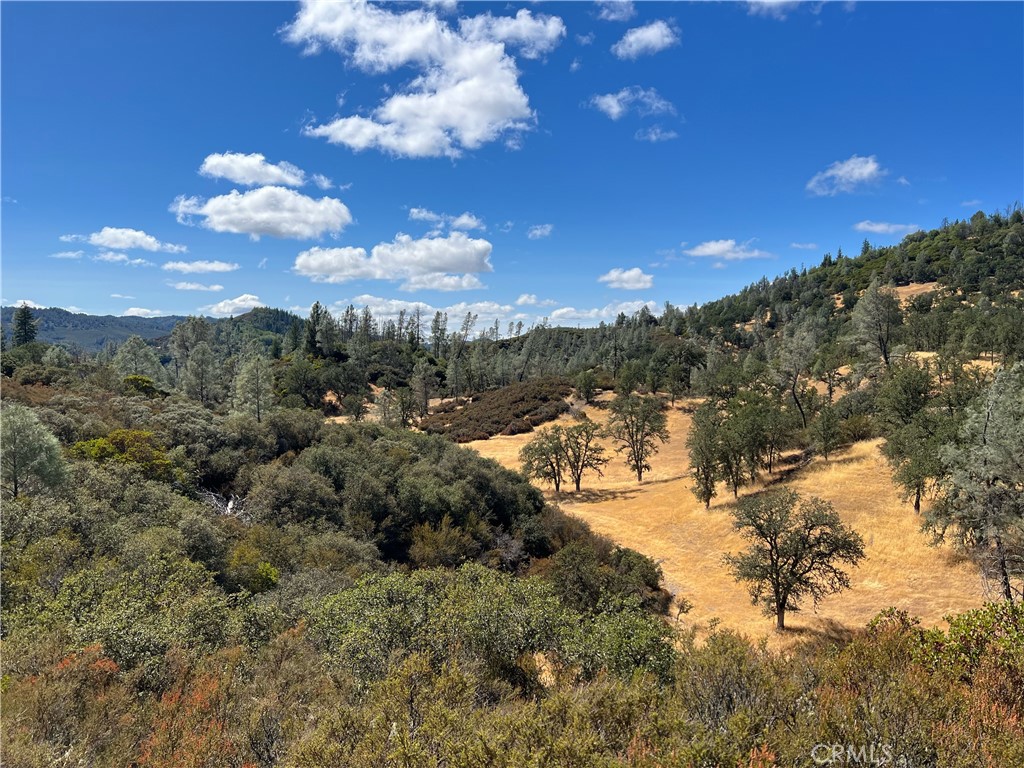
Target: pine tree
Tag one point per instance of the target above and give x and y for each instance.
(31, 456)
(25, 326)
(254, 387)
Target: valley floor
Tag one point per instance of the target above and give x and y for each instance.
(661, 518)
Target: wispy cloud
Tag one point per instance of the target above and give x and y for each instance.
(655, 134)
(643, 101)
(67, 255)
(197, 267)
(776, 9)
(615, 10)
(111, 257)
(804, 246)
(195, 287)
(884, 227)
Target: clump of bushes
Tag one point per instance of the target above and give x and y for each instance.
(510, 410)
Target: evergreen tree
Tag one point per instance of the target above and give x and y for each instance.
(982, 508)
(254, 387)
(25, 326)
(200, 380)
(136, 358)
(31, 456)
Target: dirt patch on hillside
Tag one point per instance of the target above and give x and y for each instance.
(661, 518)
(906, 293)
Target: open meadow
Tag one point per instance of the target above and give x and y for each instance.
(661, 518)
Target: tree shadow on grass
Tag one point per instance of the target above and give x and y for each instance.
(595, 495)
(826, 631)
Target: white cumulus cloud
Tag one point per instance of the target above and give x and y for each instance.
(535, 36)
(275, 211)
(235, 306)
(199, 267)
(539, 231)
(846, 176)
(727, 250)
(884, 227)
(634, 279)
(142, 312)
(437, 263)
(648, 39)
(466, 92)
(644, 101)
(251, 170)
(120, 238)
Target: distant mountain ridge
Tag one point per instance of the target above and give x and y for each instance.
(93, 332)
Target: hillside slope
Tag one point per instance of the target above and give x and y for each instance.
(661, 518)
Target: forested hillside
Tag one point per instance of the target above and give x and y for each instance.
(203, 565)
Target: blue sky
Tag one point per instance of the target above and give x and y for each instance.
(517, 160)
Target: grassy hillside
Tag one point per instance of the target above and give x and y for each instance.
(662, 519)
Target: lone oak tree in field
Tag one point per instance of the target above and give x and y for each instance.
(635, 423)
(581, 451)
(795, 551)
(543, 459)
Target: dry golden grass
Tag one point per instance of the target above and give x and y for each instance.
(907, 292)
(661, 518)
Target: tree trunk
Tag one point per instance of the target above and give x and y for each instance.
(1004, 574)
(780, 619)
(799, 407)
(917, 500)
